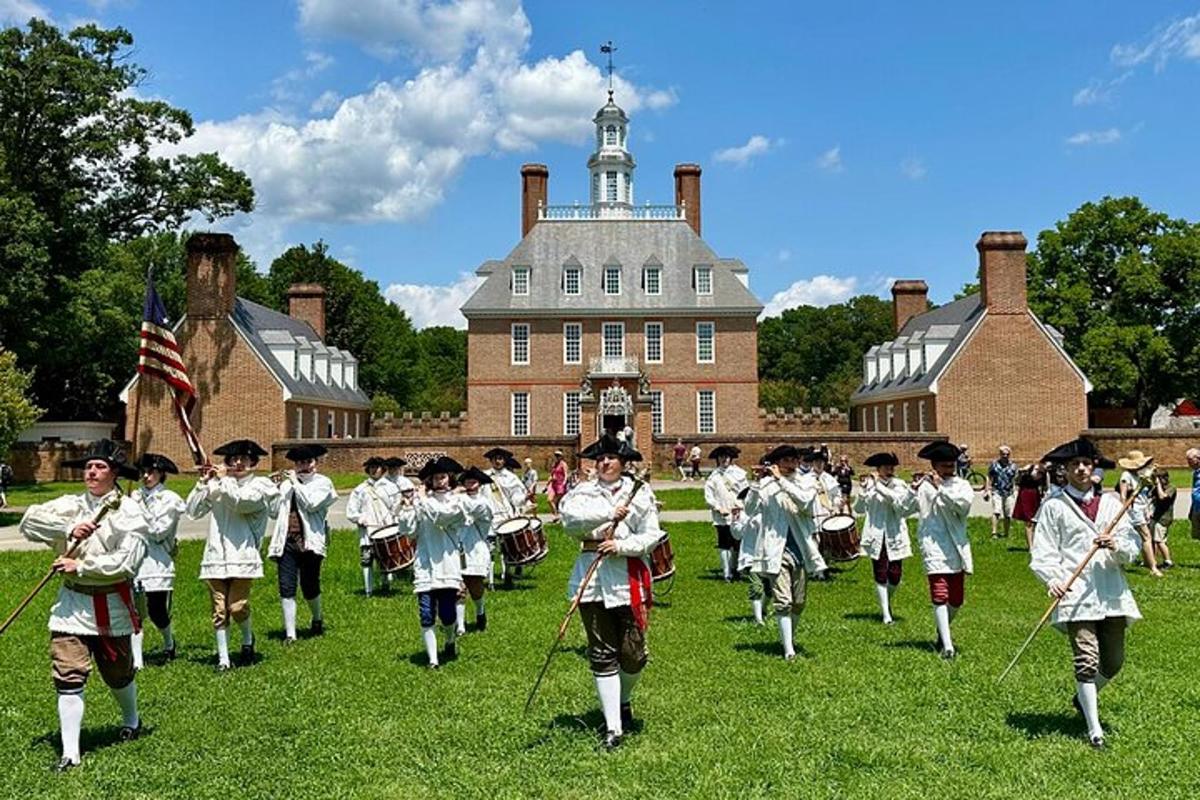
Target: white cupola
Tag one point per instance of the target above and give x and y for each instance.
(611, 166)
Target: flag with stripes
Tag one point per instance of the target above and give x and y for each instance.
(159, 357)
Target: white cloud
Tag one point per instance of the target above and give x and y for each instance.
(831, 159)
(1083, 138)
(327, 101)
(756, 145)
(19, 12)
(820, 290)
(429, 305)
(1178, 39)
(913, 168)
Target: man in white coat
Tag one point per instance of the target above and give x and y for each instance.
(943, 502)
(476, 556)
(1098, 607)
(434, 520)
(886, 501)
(615, 524)
(93, 615)
(829, 495)
(240, 505)
(720, 493)
(155, 582)
(301, 535)
(372, 505)
(508, 497)
(746, 527)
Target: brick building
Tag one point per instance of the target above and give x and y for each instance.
(983, 370)
(259, 374)
(610, 314)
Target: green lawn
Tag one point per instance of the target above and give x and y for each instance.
(866, 711)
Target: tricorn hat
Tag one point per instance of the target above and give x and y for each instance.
(108, 451)
(882, 460)
(498, 452)
(511, 463)
(808, 454)
(394, 462)
(724, 451)
(303, 452)
(1079, 448)
(150, 461)
(440, 464)
(240, 447)
(939, 451)
(781, 452)
(375, 462)
(608, 445)
(474, 473)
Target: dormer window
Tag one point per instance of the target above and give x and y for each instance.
(572, 280)
(612, 280)
(653, 280)
(703, 279)
(520, 281)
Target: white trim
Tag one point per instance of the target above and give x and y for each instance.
(603, 340)
(512, 344)
(604, 280)
(662, 412)
(700, 416)
(528, 273)
(646, 342)
(646, 280)
(922, 416)
(713, 359)
(578, 270)
(566, 413)
(299, 422)
(316, 426)
(512, 414)
(696, 279)
(578, 325)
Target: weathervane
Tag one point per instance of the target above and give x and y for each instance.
(608, 49)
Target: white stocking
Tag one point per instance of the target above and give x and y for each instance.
(941, 615)
(608, 687)
(785, 634)
(223, 646)
(628, 681)
(289, 617)
(757, 607)
(367, 581)
(430, 639)
(1086, 692)
(126, 698)
(460, 610)
(885, 606)
(70, 720)
(135, 645)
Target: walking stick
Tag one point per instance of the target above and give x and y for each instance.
(111, 503)
(562, 629)
(1078, 571)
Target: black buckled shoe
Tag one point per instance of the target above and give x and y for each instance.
(246, 657)
(169, 654)
(611, 741)
(481, 622)
(1097, 742)
(450, 651)
(627, 716)
(65, 765)
(128, 734)
(318, 628)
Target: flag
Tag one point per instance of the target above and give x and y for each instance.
(159, 357)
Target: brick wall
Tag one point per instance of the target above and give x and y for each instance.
(36, 462)
(800, 422)
(753, 445)
(899, 407)
(1166, 446)
(424, 424)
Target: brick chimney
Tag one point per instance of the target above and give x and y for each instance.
(687, 192)
(211, 275)
(306, 302)
(909, 298)
(535, 183)
(1002, 271)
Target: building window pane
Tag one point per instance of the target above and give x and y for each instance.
(520, 343)
(612, 280)
(703, 280)
(654, 332)
(862, 422)
(611, 188)
(595, 187)
(571, 280)
(891, 414)
(520, 282)
(329, 425)
(614, 339)
(610, 136)
(520, 413)
(875, 418)
(628, 188)
(706, 411)
(653, 280)
(572, 342)
(705, 332)
(656, 412)
(904, 415)
(921, 414)
(571, 414)
(316, 426)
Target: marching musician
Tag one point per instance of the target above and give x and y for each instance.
(1098, 607)
(720, 493)
(476, 556)
(943, 502)
(508, 497)
(886, 501)
(93, 615)
(372, 505)
(746, 527)
(240, 505)
(395, 473)
(155, 581)
(786, 504)
(434, 520)
(300, 538)
(829, 493)
(620, 526)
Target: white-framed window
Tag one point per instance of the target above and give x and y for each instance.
(654, 342)
(570, 413)
(520, 413)
(357, 425)
(329, 422)
(520, 281)
(613, 336)
(316, 426)
(875, 418)
(612, 280)
(572, 342)
(628, 188)
(299, 423)
(904, 415)
(610, 180)
(921, 415)
(704, 280)
(656, 412)
(520, 343)
(862, 418)
(345, 423)
(572, 279)
(891, 417)
(653, 281)
(705, 346)
(595, 187)
(706, 411)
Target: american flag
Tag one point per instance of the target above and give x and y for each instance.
(159, 357)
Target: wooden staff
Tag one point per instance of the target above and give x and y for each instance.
(1078, 571)
(587, 578)
(111, 502)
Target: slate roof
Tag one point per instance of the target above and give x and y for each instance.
(593, 244)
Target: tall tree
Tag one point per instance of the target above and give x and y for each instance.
(16, 411)
(1122, 283)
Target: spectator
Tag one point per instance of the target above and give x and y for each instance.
(680, 451)
(999, 485)
(1193, 460)
(963, 462)
(825, 454)
(530, 478)
(629, 436)
(1031, 487)
(694, 457)
(6, 476)
(1142, 510)
(556, 486)
(1163, 514)
(844, 474)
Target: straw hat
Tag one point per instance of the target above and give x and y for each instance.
(1134, 460)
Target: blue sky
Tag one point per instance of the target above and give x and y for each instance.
(843, 145)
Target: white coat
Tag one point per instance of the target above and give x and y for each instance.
(507, 493)
(162, 509)
(786, 507)
(721, 491)
(832, 501)
(942, 526)
(746, 527)
(886, 504)
(313, 494)
(372, 505)
(587, 512)
(1063, 537)
(109, 556)
(472, 537)
(240, 509)
(434, 521)
(401, 482)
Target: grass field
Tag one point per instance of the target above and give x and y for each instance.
(866, 711)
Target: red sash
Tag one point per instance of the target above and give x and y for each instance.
(640, 596)
(100, 607)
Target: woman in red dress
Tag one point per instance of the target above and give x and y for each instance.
(556, 486)
(1031, 486)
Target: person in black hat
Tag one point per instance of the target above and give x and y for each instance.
(372, 505)
(301, 534)
(943, 503)
(508, 497)
(155, 581)
(1098, 608)
(395, 473)
(829, 495)
(476, 555)
(885, 501)
(613, 523)
(240, 504)
(720, 493)
(434, 520)
(93, 616)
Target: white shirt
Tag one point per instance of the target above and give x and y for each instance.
(786, 510)
(886, 504)
(162, 509)
(434, 521)
(721, 491)
(472, 536)
(313, 495)
(240, 509)
(942, 526)
(372, 505)
(507, 494)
